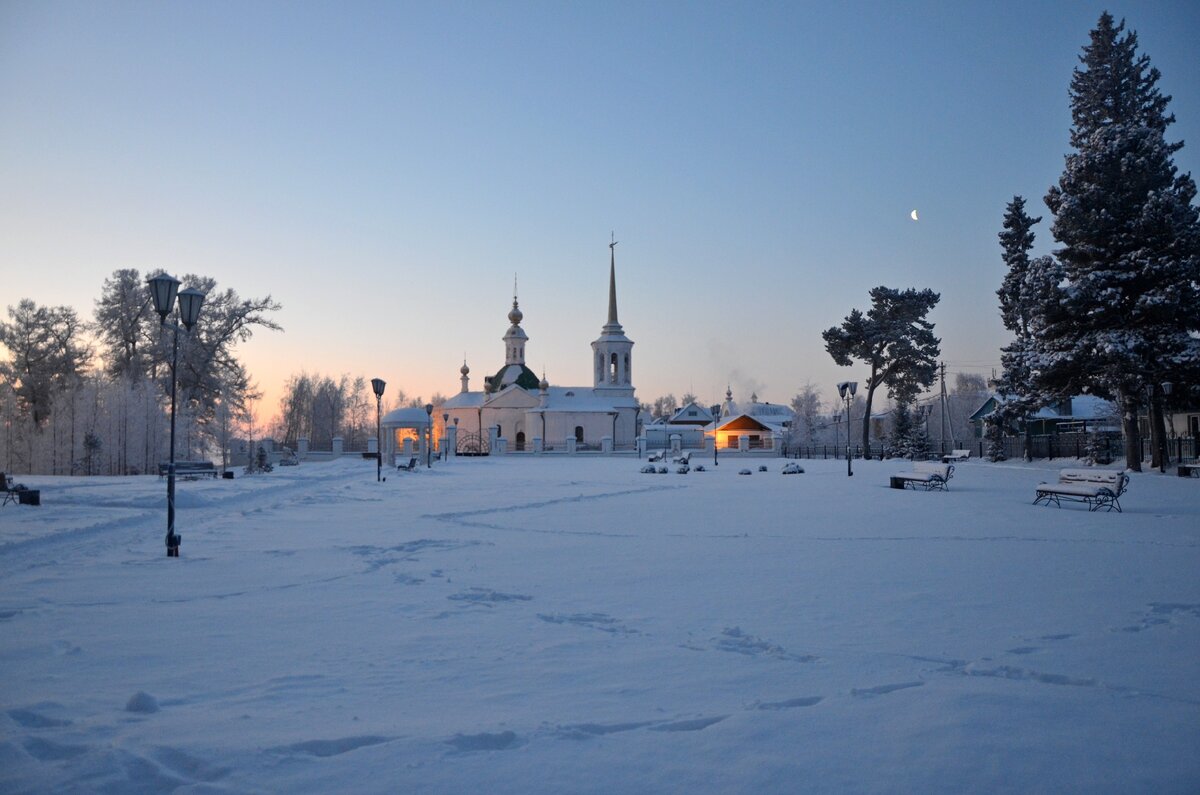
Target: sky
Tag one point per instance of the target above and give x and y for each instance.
(385, 170)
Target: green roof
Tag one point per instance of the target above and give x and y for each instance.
(526, 380)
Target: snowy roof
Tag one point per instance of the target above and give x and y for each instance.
(584, 398)
(777, 410)
(1081, 407)
(465, 400)
(409, 417)
(517, 374)
(767, 412)
(1077, 407)
(747, 421)
(701, 415)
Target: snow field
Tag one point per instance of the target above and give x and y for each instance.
(572, 625)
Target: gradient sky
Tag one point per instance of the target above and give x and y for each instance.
(383, 170)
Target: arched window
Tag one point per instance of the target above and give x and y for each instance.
(579, 433)
(612, 375)
(628, 374)
(499, 431)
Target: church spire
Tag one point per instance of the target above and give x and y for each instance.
(613, 325)
(612, 349)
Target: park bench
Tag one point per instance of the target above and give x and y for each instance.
(1188, 471)
(17, 493)
(190, 470)
(1096, 488)
(410, 466)
(956, 455)
(926, 475)
(10, 493)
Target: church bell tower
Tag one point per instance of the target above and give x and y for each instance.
(612, 350)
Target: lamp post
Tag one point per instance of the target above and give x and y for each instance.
(837, 432)
(429, 435)
(164, 290)
(378, 384)
(637, 430)
(715, 415)
(847, 389)
(445, 453)
(1167, 386)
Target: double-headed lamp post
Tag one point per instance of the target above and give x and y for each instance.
(378, 385)
(164, 290)
(847, 389)
(429, 436)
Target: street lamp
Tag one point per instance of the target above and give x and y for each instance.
(923, 412)
(164, 290)
(847, 389)
(377, 385)
(429, 436)
(715, 414)
(1167, 386)
(837, 432)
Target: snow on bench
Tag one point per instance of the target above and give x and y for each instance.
(189, 470)
(956, 455)
(1096, 488)
(927, 475)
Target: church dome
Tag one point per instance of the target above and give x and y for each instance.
(544, 385)
(515, 315)
(464, 369)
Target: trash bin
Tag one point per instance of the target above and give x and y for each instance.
(29, 497)
(227, 474)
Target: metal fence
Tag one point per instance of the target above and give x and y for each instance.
(1180, 450)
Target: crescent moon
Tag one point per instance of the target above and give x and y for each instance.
(913, 215)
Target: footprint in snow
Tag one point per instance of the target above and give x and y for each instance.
(791, 703)
(882, 690)
(485, 741)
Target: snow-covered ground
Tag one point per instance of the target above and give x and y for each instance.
(526, 625)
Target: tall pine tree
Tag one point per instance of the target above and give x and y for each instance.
(896, 342)
(1028, 292)
(1130, 239)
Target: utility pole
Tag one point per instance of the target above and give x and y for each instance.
(943, 365)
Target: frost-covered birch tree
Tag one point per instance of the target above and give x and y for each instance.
(806, 407)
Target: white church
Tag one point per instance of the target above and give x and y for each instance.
(517, 411)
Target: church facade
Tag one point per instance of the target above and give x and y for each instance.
(516, 411)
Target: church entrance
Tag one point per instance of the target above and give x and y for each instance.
(520, 440)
